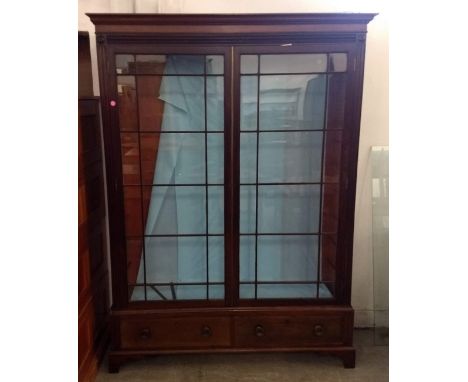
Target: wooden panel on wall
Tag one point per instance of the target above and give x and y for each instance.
(85, 77)
(93, 290)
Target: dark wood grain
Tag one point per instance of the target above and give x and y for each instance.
(289, 324)
(93, 290)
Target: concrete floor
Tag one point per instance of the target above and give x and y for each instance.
(371, 366)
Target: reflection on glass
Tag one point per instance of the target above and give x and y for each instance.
(130, 158)
(215, 158)
(214, 64)
(292, 102)
(177, 209)
(127, 103)
(290, 157)
(249, 63)
(248, 157)
(150, 63)
(215, 209)
(338, 62)
(247, 209)
(293, 63)
(215, 103)
(124, 63)
(248, 103)
(216, 259)
(180, 158)
(291, 116)
(332, 156)
(288, 208)
(328, 246)
(132, 210)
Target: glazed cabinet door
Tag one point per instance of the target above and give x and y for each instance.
(171, 124)
(291, 127)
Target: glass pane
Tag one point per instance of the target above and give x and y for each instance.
(328, 264)
(215, 103)
(332, 156)
(176, 210)
(293, 63)
(287, 258)
(290, 157)
(150, 107)
(150, 63)
(124, 63)
(149, 144)
(170, 64)
(184, 107)
(287, 266)
(338, 62)
(247, 209)
(216, 258)
(288, 208)
(247, 258)
(215, 209)
(331, 203)
(136, 293)
(249, 63)
(215, 158)
(380, 232)
(336, 101)
(214, 64)
(132, 210)
(247, 291)
(216, 292)
(180, 158)
(127, 103)
(292, 102)
(175, 259)
(134, 248)
(248, 157)
(306, 290)
(130, 158)
(248, 103)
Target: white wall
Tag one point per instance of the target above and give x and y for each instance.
(374, 123)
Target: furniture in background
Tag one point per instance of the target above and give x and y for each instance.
(93, 282)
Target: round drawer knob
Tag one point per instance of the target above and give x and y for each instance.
(259, 331)
(206, 331)
(319, 330)
(145, 334)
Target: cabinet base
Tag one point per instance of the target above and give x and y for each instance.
(118, 358)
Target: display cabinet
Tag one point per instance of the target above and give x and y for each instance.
(231, 146)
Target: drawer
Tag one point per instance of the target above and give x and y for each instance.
(175, 333)
(287, 331)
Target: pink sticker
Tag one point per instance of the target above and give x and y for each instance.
(113, 103)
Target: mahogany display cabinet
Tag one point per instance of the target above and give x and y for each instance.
(231, 146)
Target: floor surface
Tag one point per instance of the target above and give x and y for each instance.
(371, 366)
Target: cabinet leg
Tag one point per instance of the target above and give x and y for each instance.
(113, 364)
(349, 359)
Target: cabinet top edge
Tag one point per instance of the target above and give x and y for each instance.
(229, 19)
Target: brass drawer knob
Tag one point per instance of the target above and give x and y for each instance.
(259, 331)
(319, 330)
(145, 334)
(206, 331)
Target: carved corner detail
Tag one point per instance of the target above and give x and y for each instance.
(101, 39)
(361, 37)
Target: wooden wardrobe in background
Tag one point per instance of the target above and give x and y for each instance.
(93, 284)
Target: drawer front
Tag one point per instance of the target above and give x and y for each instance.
(175, 333)
(284, 331)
